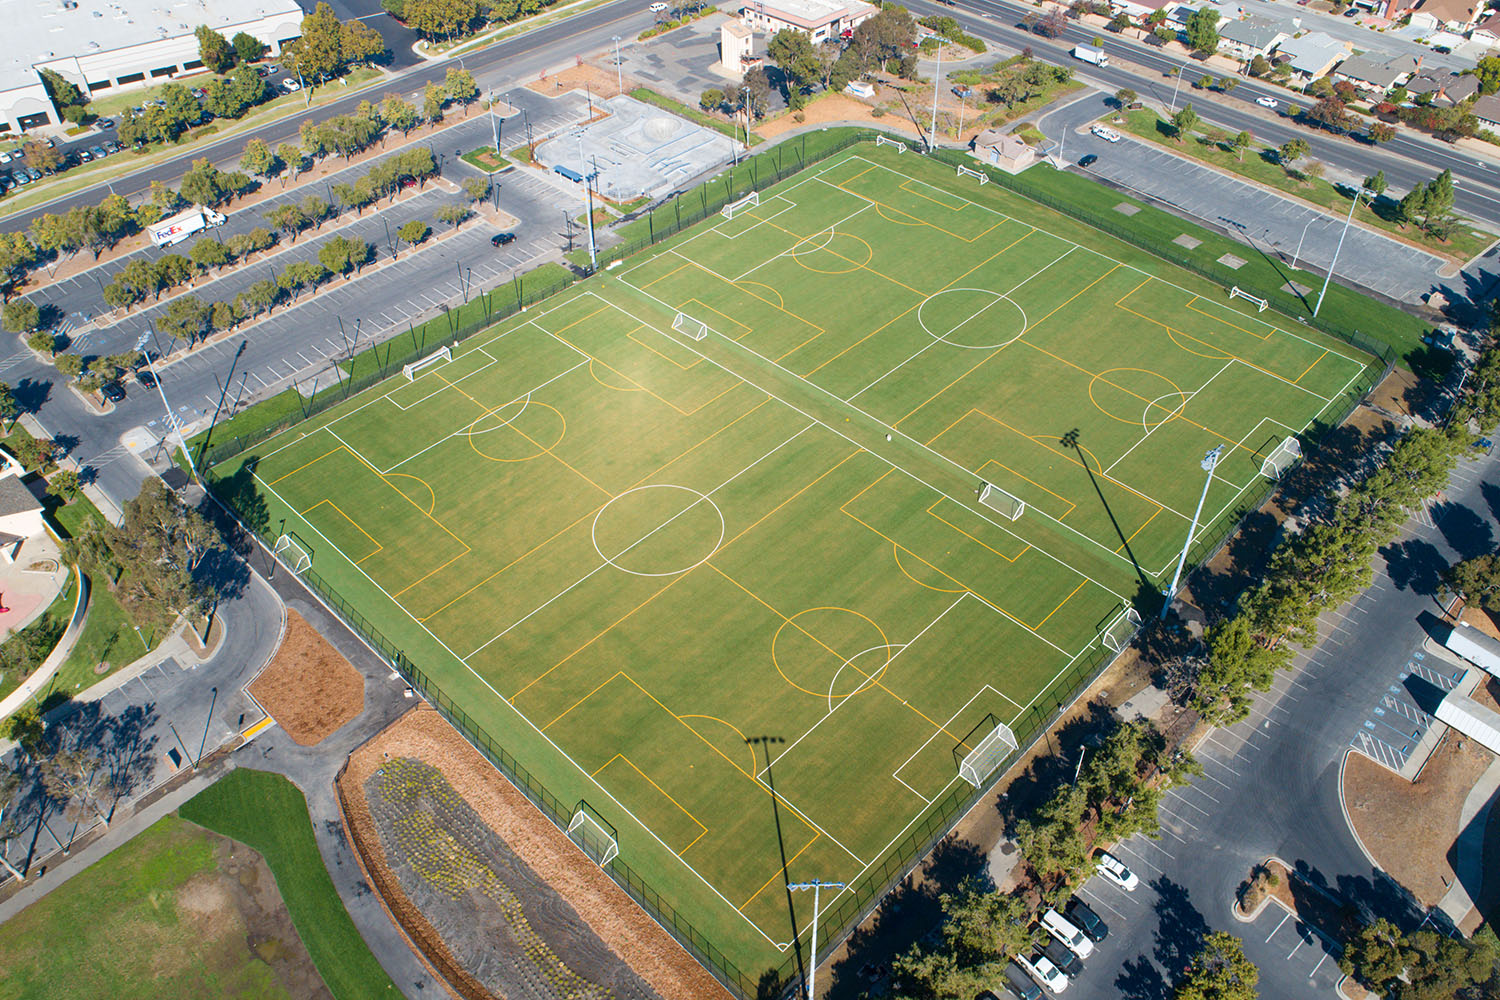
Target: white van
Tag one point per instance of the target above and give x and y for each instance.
(1059, 927)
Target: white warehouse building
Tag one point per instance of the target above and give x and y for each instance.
(820, 19)
(104, 45)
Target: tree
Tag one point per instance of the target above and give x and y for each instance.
(1183, 122)
(1329, 112)
(1380, 132)
(11, 822)
(318, 53)
(261, 296)
(1219, 971)
(459, 85)
(711, 99)
(983, 926)
(1124, 97)
(1376, 183)
(1487, 73)
(341, 254)
(289, 219)
(314, 209)
(64, 92)
(258, 158)
(1312, 170)
(432, 103)
(248, 48)
(440, 18)
(359, 43)
(1237, 663)
(17, 255)
(222, 316)
(9, 408)
(242, 245)
(300, 274)
(355, 196)
(214, 49)
(160, 545)
(64, 485)
(291, 155)
(1260, 65)
(42, 156)
(1439, 200)
(413, 232)
(44, 342)
(209, 253)
(20, 316)
(1202, 30)
(174, 269)
(792, 50)
(186, 318)
(80, 779)
(1477, 579)
(1291, 151)
(203, 184)
(400, 113)
(118, 295)
(1119, 22)
(452, 214)
(756, 91)
(477, 188)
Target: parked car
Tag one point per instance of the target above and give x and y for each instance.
(104, 123)
(846, 34)
(98, 151)
(1353, 12)
(199, 93)
(1107, 134)
(112, 147)
(1113, 869)
(290, 85)
(1058, 926)
(1088, 160)
(5, 157)
(85, 155)
(1064, 959)
(1087, 920)
(657, 8)
(112, 391)
(502, 239)
(1019, 984)
(33, 173)
(144, 377)
(20, 178)
(1042, 969)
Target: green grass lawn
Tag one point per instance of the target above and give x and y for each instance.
(1260, 165)
(650, 560)
(486, 159)
(52, 623)
(120, 929)
(266, 812)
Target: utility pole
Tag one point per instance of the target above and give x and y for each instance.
(1177, 87)
(187, 452)
(619, 73)
(494, 124)
(1210, 462)
(812, 962)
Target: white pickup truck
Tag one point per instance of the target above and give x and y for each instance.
(184, 224)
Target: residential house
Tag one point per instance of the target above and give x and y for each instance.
(1007, 152)
(1487, 31)
(20, 509)
(1251, 37)
(1312, 55)
(820, 20)
(1431, 15)
(1139, 10)
(1487, 110)
(1375, 74)
(1447, 88)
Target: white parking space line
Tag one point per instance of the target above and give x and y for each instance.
(1180, 819)
(1284, 918)
(1094, 900)
(1315, 968)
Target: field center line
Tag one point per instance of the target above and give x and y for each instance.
(638, 541)
(830, 228)
(941, 457)
(523, 717)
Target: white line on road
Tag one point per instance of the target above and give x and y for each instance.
(1284, 918)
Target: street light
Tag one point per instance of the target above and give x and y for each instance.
(1180, 70)
(815, 886)
(619, 73)
(1353, 204)
(1209, 463)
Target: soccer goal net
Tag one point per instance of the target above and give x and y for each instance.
(751, 200)
(593, 835)
(1001, 502)
(978, 175)
(411, 368)
(885, 140)
(1281, 458)
(1237, 293)
(689, 327)
(291, 553)
(1121, 630)
(995, 742)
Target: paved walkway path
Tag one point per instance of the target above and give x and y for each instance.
(1469, 848)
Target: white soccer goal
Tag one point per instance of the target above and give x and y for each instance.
(593, 835)
(982, 177)
(988, 754)
(1282, 457)
(1121, 630)
(751, 200)
(689, 327)
(1001, 502)
(411, 368)
(294, 555)
(885, 140)
(1260, 303)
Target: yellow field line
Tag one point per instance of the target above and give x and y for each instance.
(779, 871)
(1065, 600)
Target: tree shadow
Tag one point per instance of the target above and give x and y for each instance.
(1465, 531)
(1415, 565)
(30, 394)
(1491, 494)
(1180, 929)
(1140, 980)
(1047, 772)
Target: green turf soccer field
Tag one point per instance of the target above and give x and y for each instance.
(649, 564)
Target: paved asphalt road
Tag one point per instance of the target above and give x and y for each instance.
(1270, 783)
(1407, 160)
(1259, 217)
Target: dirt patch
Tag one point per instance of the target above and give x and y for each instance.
(596, 902)
(835, 108)
(1410, 827)
(308, 687)
(596, 80)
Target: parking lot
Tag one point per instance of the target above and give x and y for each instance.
(1395, 726)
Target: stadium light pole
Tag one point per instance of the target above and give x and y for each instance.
(1210, 462)
(1305, 228)
(937, 83)
(1353, 204)
(812, 964)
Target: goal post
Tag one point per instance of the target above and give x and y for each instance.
(290, 552)
(885, 140)
(593, 834)
(751, 200)
(411, 368)
(979, 175)
(694, 329)
(981, 753)
(1282, 457)
(1121, 631)
(1235, 292)
(1001, 502)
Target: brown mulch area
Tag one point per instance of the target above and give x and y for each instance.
(834, 108)
(424, 735)
(1410, 827)
(599, 80)
(1311, 905)
(308, 687)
